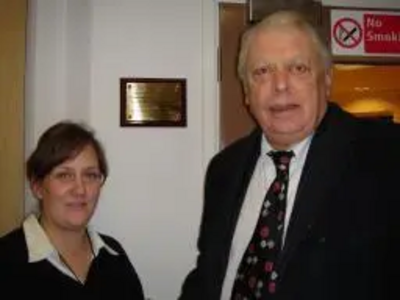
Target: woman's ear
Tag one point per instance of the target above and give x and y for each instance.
(36, 188)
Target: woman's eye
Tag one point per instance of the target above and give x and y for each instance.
(93, 176)
(64, 175)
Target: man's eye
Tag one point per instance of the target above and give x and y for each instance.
(263, 70)
(299, 69)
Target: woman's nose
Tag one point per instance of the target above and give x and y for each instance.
(79, 185)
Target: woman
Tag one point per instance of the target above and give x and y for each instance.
(54, 255)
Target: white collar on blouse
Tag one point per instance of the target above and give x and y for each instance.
(40, 247)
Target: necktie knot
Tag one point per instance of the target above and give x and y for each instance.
(281, 160)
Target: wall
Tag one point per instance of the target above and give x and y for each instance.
(77, 51)
(155, 186)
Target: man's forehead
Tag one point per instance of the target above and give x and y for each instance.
(281, 33)
(284, 45)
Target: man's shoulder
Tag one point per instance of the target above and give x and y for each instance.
(380, 132)
(378, 146)
(245, 144)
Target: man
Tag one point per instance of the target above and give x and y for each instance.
(340, 233)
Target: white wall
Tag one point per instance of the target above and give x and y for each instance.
(154, 191)
(77, 51)
(58, 66)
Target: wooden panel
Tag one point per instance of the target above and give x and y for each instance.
(234, 118)
(12, 62)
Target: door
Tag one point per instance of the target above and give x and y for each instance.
(234, 118)
(13, 15)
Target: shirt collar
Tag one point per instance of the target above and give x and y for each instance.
(299, 149)
(40, 247)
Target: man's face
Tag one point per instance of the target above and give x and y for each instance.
(287, 85)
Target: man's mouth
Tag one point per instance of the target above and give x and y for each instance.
(283, 108)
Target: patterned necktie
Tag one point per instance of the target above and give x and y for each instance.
(256, 276)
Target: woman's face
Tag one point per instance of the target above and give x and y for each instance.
(69, 193)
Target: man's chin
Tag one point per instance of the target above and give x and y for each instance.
(286, 137)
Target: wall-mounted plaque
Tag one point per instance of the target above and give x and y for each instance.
(153, 102)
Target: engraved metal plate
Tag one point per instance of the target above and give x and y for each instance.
(153, 102)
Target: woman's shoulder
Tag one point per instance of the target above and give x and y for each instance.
(112, 242)
(12, 238)
(13, 246)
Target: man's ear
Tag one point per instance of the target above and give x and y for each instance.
(328, 82)
(245, 92)
(328, 78)
(246, 100)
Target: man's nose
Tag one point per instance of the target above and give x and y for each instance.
(281, 80)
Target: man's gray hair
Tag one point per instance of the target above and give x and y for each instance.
(283, 18)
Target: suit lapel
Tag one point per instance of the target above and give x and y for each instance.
(244, 165)
(241, 164)
(321, 173)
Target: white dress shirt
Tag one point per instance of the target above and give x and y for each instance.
(263, 175)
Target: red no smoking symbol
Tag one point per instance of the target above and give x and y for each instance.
(347, 33)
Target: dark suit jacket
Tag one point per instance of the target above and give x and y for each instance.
(343, 233)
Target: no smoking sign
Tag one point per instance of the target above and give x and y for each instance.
(347, 33)
(360, 33)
